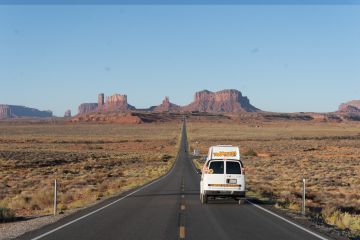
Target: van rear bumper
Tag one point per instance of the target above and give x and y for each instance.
(225, 193)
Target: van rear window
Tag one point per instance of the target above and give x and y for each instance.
(233, 168)
(217, 167)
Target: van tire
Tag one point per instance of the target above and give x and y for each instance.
(203, 198)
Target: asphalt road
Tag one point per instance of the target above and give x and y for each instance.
(169, 208)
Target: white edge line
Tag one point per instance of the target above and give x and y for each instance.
(99, 209)
(288, 221)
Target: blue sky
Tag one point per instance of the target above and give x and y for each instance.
(284, 58)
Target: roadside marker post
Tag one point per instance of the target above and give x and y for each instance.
(303, 197)
(55, 197)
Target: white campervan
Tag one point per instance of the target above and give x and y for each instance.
(223, 174)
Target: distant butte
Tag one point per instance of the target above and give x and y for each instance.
(167, 106)
(227, 104)
(350, 107)
(114, 103)
(13, 111)
(87, 108)
(229, 100)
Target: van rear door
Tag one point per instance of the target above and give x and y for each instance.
(216, 175)
(233, 174)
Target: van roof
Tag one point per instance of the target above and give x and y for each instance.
(224, 152)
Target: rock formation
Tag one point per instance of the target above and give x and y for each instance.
(12, 111)
(114, 103)
(117, 103)
(101, 102)
(67, 114)
(87, 108)
(230, 100)
(5, 111)
(167, 106)
(350, 107)
(205, 101)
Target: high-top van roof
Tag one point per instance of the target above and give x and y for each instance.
(224, 152)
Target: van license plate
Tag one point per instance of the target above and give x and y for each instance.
(231, 181)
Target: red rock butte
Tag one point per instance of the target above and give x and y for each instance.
(350, 107)
(117, 103)
(167, 106)
(229, 100)
(114, 103)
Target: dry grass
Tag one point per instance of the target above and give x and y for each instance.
(278, 155)
(90, 162)
(343, 220)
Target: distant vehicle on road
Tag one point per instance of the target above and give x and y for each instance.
(223, 174)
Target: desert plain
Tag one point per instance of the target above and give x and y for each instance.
(89, 162)
(279, 155)
(92, 161)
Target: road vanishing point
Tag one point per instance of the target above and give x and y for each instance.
(170, 208)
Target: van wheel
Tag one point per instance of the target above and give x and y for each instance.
(203, 198)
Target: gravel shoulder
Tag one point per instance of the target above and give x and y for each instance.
(13, 230)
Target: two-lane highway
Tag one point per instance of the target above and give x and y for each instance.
(169, 208)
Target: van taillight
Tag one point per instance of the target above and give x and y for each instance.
(243, 171)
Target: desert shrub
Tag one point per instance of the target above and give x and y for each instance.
(165, 157)
(62, 207)
(42, 199)
(173, 142)
(294, 206)
(66, 197)
(6, 214)
(250, 153)
(103, 187)
(19, 202)
(342, 220)
(99, 196)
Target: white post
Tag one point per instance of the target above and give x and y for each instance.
(303, 198)
(55, 197)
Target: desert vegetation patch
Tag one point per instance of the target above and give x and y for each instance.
(89, 161)
(277, 156)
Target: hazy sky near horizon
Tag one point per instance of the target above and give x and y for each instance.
(284, 58)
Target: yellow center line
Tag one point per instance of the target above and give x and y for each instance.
(182, 232)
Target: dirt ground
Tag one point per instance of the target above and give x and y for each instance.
(89, 161)
(277, 156)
